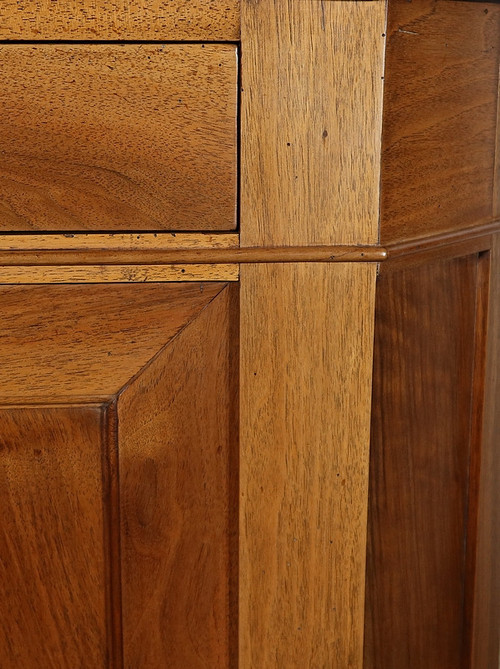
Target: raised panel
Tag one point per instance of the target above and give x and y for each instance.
(178, 496)
(120, 20)
(425, 451)
(440, 101)
(118, 137)
(52, 542)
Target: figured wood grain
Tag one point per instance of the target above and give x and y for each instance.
(118, 137)
(120, 20)
(178, 478)
(440, 106)
(52, 567)
(65, 343)
(305, 387)
(311, 107)
(486, 627)
(100, 274)
(422, 466)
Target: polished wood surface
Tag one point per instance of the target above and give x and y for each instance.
(52, 567)
(68, 343)
(425, 448)
(311, 107)
(440, 106)
(304, 436)
(118, 137)
(120, 20)
(486, 615)
(178, 497)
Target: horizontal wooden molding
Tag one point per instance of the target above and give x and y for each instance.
(43, 274)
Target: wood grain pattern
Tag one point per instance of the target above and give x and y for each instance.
(120, 20)
(52, 571)
(67, 343)
(46, 274)
(422, 445)
(305, 384)
(486, 627)
(160, 241)
(440, 103)
(311, 122)
(118, 137)
(178, 477)
(496, 175)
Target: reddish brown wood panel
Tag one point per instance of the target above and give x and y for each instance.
(486, 620)
(441, 86)
(118, 137)
(426, 390)
(52, 548)
(178, 477)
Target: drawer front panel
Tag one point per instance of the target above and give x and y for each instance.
(118, 137)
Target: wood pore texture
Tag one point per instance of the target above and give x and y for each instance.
(138, 506)
(304, 435)
(311, 115)
(120, 20)
(425, 450)
(440, 106)
(118, 137)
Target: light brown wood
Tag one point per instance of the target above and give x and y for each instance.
(305, 380)
(116, 273)
(486, 617)
(118, 137)
(120, 20)
(52, 571)
(161, 241)
(440, 108)
(311, 122)
(496, 175)
(66, 343)
(194, 256)
(178, 496)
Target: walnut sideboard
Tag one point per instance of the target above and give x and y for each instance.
(249, 334)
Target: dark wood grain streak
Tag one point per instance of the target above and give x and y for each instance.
(177, 499)
(440, 108)
(52, 566)
(426, 409)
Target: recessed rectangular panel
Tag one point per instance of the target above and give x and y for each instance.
(52, 548)
(118, 137)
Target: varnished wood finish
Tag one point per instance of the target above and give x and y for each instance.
(486, 628)
(440, 103)
(72, 274)
(311, 122)
(429, 332)
(120, 20)
(65, 343)
(52, 566)
(177, 492)
(118, 137)
(304, 420)
(191, 257)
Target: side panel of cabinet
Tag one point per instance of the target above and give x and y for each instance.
(430, 331)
